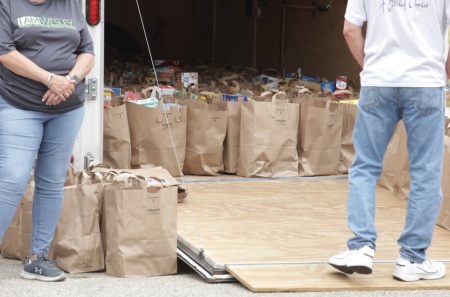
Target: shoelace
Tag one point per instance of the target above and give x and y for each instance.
(429, 266)
(47, 262)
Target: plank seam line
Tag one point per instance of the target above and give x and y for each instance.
(307, 263)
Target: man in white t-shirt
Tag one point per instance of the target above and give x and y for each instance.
(404, 69)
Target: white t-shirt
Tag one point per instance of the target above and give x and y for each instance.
(405, 42)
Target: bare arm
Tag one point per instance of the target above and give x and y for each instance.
(84, 64)
(60, 87)
(355, 41)
(20, 65)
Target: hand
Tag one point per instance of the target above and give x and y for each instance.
(54, 99)
(60, 89)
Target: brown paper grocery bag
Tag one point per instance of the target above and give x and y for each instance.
(141, 227)
(349, 113)
(320, 137)
(231, 142)
(158, 134)
(206, 130)
(268, 138)
(101, 176)
(10, 246)
(395, 174)
(444, 214)
(25, 221)
(77, 245)
(116, 137)
(447, 126)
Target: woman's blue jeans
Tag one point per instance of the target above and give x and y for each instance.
(380, 109)
(46, 140)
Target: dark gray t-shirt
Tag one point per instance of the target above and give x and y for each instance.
(51, 34)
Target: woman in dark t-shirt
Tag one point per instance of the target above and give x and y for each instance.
(45, 53)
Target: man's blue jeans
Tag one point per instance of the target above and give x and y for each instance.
(27, 137)
(380, 109)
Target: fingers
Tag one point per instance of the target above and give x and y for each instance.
(51, 98)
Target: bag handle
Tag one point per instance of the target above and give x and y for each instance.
(268, 94)
(82, 178)
(145, 92)
(236, 85)
(108, 176)
(70, 177)
(224, 80)
(129, 180)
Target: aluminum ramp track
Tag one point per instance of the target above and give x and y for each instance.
(200, 263)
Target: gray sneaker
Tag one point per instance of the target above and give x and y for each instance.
(42, 269)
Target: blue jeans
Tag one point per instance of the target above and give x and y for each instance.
(380, 109)
(27, 137)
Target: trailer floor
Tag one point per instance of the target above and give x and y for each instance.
(277, 235)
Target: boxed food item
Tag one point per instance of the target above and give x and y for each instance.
(235, 97)
(327, 87)
(189, 80)
(116, 90)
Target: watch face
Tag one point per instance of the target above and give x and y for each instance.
(75, 78)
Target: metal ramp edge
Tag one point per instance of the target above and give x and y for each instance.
(209, 270)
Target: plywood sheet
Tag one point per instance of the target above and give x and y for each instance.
(300, 224)
(322, 277)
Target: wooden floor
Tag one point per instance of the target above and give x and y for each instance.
(278, 235)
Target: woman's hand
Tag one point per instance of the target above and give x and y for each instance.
(59, 89)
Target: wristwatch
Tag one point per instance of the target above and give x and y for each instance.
(75, 78)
